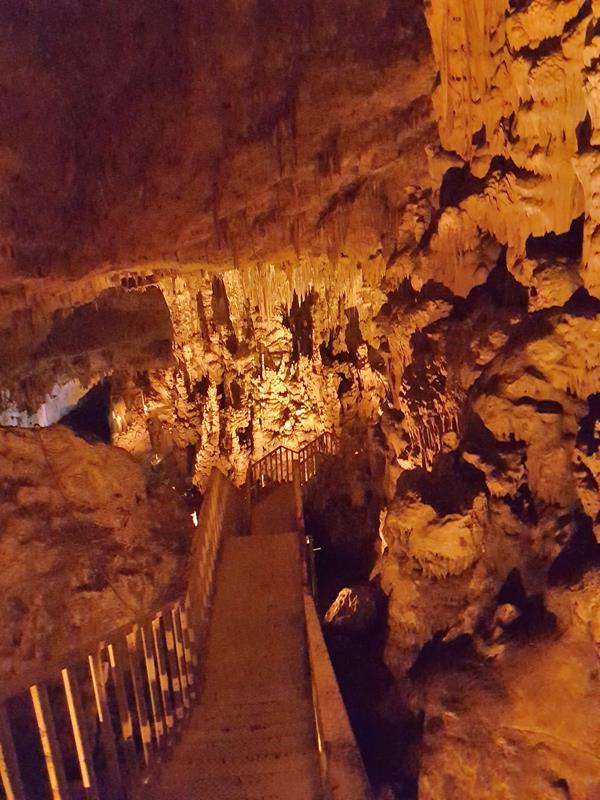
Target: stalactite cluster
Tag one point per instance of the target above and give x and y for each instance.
(365, 217)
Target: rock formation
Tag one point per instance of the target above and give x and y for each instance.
(81, 544)
(255, 221)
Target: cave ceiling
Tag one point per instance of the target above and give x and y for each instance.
(207, 133)
(262, 220)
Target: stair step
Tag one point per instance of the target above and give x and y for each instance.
(253, 730)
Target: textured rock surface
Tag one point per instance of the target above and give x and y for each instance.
(263, 220)
(524, 747)
(206, 132)
(80, 549)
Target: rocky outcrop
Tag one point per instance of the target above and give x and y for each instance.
(523, 747)
(354, 610)
(82, 549)
(293, 225)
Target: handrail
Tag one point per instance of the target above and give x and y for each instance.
(127, 696)
(342, 767)
(277, 466)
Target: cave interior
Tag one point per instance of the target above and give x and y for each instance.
(231, 229)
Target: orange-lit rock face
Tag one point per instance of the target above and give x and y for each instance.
(80, 546)
(262, 220)
(205, 132)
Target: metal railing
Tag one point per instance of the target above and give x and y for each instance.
(278, 465)
(96, 724)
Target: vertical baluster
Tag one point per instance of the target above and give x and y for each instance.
(132, 641)
(181, 665)
(152, 677)
(80, 734)
(9, 765)
(192, 633)
(116, 658)
(189, 650)
(163, 675)
(97, 666)
(173, 668)
(50, 745)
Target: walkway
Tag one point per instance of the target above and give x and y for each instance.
(252, 737)
(251, 734)
(275, 511)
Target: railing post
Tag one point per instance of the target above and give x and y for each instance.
(132, 643)
(80, 734)
(180, 653)
(163, 677)
(152, 682)
(248, 489)
(176, 686)
(116, 657)
(9, 765)
(98, 670)
(50, 746)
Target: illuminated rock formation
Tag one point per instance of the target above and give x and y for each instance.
(80, 545)
(252, 222)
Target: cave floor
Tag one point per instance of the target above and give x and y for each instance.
(252, 735)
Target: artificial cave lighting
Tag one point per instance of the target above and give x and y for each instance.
(231, 230)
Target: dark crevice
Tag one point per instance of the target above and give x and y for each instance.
(90, 417)
(457, 184)
(581, 552)
(587, 441)
(220, 303)
(449, 488)
(522, 505)
(300, 322)
(558, 245)
(583, 304)
(354, 337)
(584, 134)
(500, 288)
(545, 48)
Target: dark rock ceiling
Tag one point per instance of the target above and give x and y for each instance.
(212, 132)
